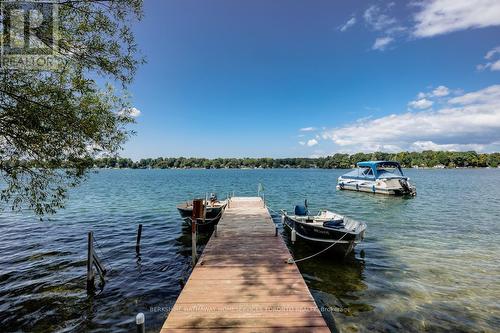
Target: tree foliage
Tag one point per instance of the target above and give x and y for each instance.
(54, 123)
(342, 161)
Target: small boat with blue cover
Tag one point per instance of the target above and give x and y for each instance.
(333, 231)
(384, 177)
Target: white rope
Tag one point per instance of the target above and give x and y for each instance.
(272, 210)
(291, 260)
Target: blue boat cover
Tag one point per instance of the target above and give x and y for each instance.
(301, 210)
(372, 170)
(335, 224)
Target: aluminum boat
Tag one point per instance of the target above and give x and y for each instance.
(330, 230)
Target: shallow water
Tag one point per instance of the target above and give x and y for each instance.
(428, 263)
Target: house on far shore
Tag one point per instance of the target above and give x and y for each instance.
(439, 166)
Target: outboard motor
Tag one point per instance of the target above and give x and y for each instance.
(301, 210)
(407, 188)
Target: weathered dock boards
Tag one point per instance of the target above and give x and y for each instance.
(241, 282)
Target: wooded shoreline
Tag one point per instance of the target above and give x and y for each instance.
(425, 159)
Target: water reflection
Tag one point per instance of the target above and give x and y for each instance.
(184, 240)
(427, 263)
(337, 276)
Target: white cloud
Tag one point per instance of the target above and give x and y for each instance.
(381, 43)
(492, 52)
(482, 67)
(441, 91)
(307, 129)
(495, 66)
(131, 112)
(348, 24)
(438, 17)
(468, 121)
(420, 104)
(376, 19)
(429, 145)
(492, 65)
(302, 143)
(489, 95)
(312, 142)
(432, 18)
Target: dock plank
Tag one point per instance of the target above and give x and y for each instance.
(242, 282)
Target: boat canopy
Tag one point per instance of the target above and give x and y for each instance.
(376, 169)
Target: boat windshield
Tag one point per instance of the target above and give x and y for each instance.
(389, 168)
(367, 172)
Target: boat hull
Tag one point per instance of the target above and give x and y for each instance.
(324, 237)
(391, 187)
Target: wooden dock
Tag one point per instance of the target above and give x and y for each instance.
(242, 282)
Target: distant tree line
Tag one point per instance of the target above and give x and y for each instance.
(342, 161)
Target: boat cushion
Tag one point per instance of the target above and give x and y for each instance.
(334, 224)
(301, 210)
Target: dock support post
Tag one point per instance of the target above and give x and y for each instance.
(215, 230)
(90, 263)
(138, 241)
(140, 323)
(205, 203)
(275, 231)
(193, 241)
(198, 211)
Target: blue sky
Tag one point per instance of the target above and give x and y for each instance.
(290, 78)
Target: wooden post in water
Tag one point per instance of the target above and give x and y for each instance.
(90, 263)
(198, 209)
(93, 261)
(138, 241)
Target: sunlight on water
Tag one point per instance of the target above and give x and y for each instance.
(428, 263)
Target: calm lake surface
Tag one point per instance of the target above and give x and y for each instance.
(429, 263)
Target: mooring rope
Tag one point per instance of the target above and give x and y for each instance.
(291, 260)
(272, 210)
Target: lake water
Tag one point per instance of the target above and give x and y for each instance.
(428, 263)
